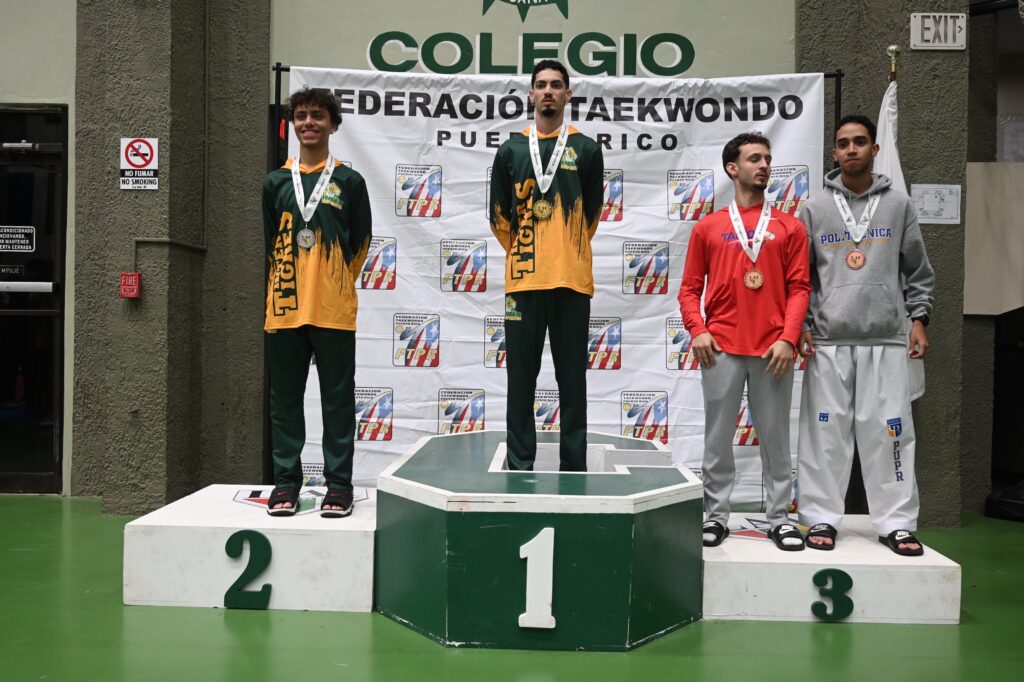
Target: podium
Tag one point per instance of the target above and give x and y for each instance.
(469, 554)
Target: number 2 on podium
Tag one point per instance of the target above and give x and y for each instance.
(540, 561)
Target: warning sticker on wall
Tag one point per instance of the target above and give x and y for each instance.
(17, 238)
(139, 163)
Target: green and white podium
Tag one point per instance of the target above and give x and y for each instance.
(469, 554)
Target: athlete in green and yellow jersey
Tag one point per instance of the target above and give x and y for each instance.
(547, 186)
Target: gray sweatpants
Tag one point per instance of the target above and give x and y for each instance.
(769, 401)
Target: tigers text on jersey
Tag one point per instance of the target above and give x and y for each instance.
(553, 252)
(315, 285)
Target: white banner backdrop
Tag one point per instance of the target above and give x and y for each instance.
(430, 342)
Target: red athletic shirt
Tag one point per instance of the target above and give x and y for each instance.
(746, 321)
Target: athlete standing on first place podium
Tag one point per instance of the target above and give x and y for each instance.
(754, 258)
(316, 248)
(547, 186)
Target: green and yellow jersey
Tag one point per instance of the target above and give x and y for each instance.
(315, 286)
(553, 252)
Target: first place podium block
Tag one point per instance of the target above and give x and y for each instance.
(471, 555)
(208, 548)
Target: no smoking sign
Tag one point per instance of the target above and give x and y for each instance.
(139, 163)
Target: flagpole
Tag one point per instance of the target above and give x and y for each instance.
(894, 52)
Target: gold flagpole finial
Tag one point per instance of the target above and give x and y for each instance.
(894, 52)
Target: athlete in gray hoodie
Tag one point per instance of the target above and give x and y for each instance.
(871, 284)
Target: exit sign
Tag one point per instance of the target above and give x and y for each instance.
(938, 31)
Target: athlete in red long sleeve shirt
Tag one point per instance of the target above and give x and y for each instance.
(754, 259)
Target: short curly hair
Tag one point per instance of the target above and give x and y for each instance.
(731, 151)
(315, 97)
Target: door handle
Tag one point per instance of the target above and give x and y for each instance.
(28, 287)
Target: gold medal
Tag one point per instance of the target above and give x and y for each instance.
(542, 209)
(855, 259)
(753, 279)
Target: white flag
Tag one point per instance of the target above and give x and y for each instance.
(888, 160)
(888, 163)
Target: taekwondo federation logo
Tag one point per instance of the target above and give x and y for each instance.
(460, 410)
(417, 340)
(494, 341)
(677, 346)
(895, 427)
(545, 410)
(380, 270)
(788, 188)
(611, 209)
(605, 343)
(645, 267)
(375, 408)
(524, 6)
(746, 434)
(645, 415)
(418, 191)
(463, 265)
(691, 193)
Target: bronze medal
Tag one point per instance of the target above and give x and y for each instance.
(753, 279)
(542, 209)
(856, 259)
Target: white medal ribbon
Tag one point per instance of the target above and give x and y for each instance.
(308, 207)
(545, 179)
(856, 229)
(751, 247)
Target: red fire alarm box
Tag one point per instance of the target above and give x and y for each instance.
(131, 284)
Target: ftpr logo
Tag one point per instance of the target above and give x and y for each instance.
(788, 188)
(605, 343)
(380, 270)
(545, 410)
(691, 193)
(524, 6)
(460, 410)
(494, 341)
(417, 340)
(746, 434)
(463, 265)
(611, 209)
(645, 267)
(645, 415)
(677, 346)
(418, 191)
(375, 407)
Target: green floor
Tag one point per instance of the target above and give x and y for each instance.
(60, 579)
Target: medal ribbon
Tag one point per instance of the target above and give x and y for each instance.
(308, 207)
(751, 247)
(545, 179)
(857, 230)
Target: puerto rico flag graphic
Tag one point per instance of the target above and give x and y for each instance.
(379, 270)
(645, 415)
(788, 188)
(691, 194)
(460, 410)
(374, 412)
(418, 191)
(417, 341)
(605, 344)
(463, 265)
(611, 208)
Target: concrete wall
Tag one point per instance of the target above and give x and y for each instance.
(933, 100)
(150, 426)
(46, 76)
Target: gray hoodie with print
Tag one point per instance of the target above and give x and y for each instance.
(872, 305)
